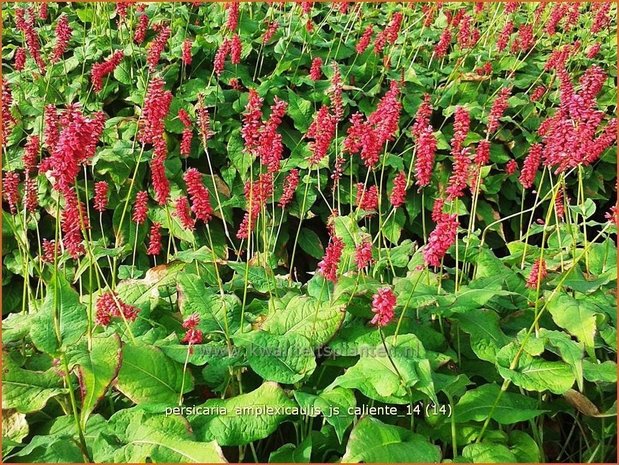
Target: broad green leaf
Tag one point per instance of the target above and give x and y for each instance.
(286, 358)
(237, 155)
(217, 313)
(257, 276)
(244, 418)
(16, 326)
(392, 228)
(347, 230)
(373, 441)
(333, 405)
(147, 376)
(310, 243)
(534, 373)
(96, 369)
(55, 449)
(377, 378)
(482, 325)
(487, 452)
(605, 372)
(300, 110)
(27, 391)
(575, 316)
(160, 439)
(524, 447)
(569, 350)
(71, 317)
(487, 401)
(306, 316)
(292, 453)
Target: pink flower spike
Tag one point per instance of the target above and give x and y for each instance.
(383, 305)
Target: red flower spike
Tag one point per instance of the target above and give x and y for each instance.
(367, 199)
(426, 150)
(290, 185)
(186, 52)
(330, 262)
(383, 305)
(101, 70)
(363, 254)
(101, 189)
(63, 35)
(235, 49)
(10, 189)
(140, 207)
(441, 239)
(20, 59)
(322, 130)
(530, 166)
(398, 194)
(498, 108)
(364, 40)
(316, 69)
(157, 46)
(154, 240)
(200, 199)
(183, 213)
(537, 275)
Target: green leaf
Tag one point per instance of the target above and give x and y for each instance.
(244, 418)
(286, 358)
(63, 301)
(291, 453)
(377, 378)
(96, 369)
(605, 372)
(333, 405)
(524, 447)
(306, 316)
(487, 338)
(160, 439)
(373, 441)
(256, 276)
(217, 313)
(577, 317)
(310, 243)
(148, 376)
(300, 110)
(487, 452)
(55, 449)
(28, 391)
(236, 154)
(534, 373)
(484, 401)
(392, 228)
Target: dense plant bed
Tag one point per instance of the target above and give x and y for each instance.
(303, 232)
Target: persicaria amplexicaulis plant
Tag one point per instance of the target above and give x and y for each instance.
(288, 205)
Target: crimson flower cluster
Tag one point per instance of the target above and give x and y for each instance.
(383, 306)
(72, 146)
(193, 334)
(200, 199)
(538, 274)
(329, 264)
(442, 237)
(398, 193)
(109, 306)
(369, 137)
(101, 70)
(63, 36)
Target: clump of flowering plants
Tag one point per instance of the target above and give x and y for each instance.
(281, 232)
